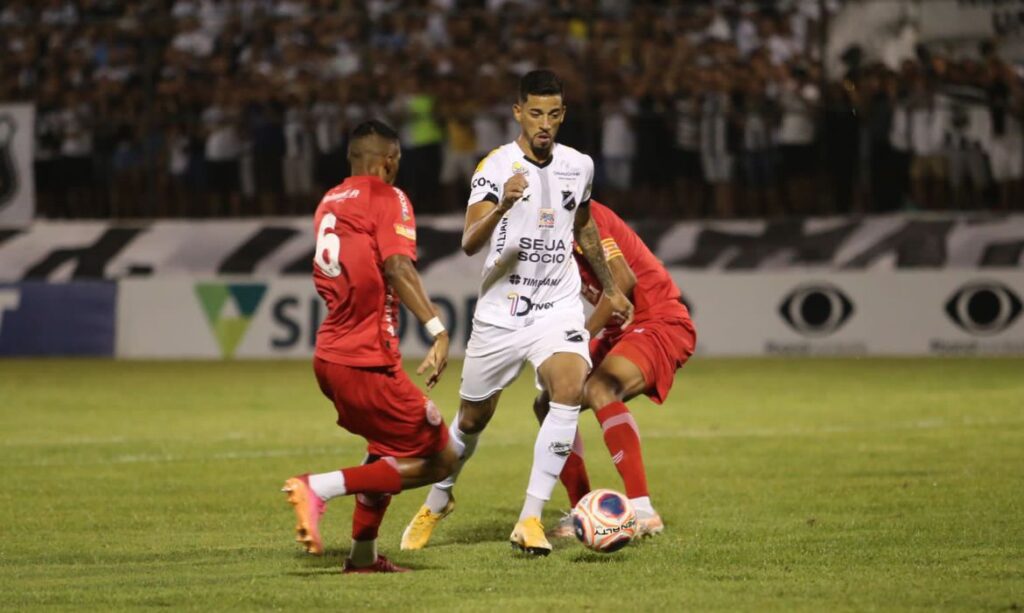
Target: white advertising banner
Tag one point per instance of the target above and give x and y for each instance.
(799, 313)
(17, 186)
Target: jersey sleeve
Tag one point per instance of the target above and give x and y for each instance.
(588, 180)
(609, 226)
(486, 183)
(396, 225)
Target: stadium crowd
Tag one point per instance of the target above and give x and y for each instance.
(711, 109)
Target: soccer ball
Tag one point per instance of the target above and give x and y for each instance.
(604, 520)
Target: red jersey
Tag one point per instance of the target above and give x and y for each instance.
(359, 224)
(655, 294)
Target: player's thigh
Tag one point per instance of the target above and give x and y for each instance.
(494, 358)
(562, 376)
(388, 410)
(559, 350)
(617, 378)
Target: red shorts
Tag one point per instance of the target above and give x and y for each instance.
(658, 348)
(385, 407)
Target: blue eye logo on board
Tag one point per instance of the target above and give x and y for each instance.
(983, 308)
(816, 310)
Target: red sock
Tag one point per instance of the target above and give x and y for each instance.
(380, 477)
(574, 475)
(368, 514)
(622, 437)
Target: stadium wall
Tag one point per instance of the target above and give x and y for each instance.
(894, 285)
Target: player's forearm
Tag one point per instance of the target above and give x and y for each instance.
(599, 317)
(589, 240)
(402, 275)
(478, 232)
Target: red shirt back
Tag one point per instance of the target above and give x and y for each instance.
(359, 224)
(655, 294)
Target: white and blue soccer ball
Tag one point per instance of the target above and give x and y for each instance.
(604, 520)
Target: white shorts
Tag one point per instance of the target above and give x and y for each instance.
(495, 356)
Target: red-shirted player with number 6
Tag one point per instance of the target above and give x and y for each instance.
(641, 358)
(363, 269)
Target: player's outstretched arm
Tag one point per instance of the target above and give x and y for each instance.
(625, 280)
(401, 274)
(589, 240)
(482, 217)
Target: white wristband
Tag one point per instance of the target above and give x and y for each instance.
(434, 327)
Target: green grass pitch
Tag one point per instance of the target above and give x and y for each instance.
(785, 485)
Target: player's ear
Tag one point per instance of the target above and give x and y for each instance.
(517, 111)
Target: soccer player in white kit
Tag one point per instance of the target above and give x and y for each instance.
(530, 199)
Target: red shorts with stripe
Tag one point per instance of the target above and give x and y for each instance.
(658, 347)
(385, 407)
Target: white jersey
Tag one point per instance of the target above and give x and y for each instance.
(529, 273)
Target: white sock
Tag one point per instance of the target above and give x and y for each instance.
(642, 505)
(328, 485)
(363, 553)
(441, 492)
(554, 442)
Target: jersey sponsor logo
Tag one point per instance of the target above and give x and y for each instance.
(404, 201)
(571, 173)
(405, 231)
(485, 182)
(541, 251)
(547, 219)
(342, 195)
(531, 282)
(229, 308)
(568, 200)
(521, 306)
(574, 336)
(499, 243)
(983, 309)
(432, 414)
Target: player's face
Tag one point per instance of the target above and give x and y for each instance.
(540, 118)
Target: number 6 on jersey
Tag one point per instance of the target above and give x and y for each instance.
(328, 247)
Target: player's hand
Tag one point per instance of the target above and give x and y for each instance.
(513, 190)
(622, 308)
(436, 360)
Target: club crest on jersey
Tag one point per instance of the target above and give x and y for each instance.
(518, 168)
(568, 200)
(547, 218)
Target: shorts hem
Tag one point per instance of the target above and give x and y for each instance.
(480, 398)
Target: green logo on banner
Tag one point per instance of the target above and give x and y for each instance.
(229, 308)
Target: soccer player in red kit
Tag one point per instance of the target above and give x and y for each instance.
(363, 268)
(639, 359)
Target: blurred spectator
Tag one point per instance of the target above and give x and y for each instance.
(720, 105)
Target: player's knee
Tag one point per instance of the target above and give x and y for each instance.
(474, 416)
(567, 391)
(600, 390)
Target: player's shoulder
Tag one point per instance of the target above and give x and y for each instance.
(573, 156)
(496, 159)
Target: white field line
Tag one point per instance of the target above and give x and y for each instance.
(497, 441)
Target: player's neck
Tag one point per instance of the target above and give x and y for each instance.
(531, 153)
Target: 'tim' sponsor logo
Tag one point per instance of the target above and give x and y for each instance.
(229, 308)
